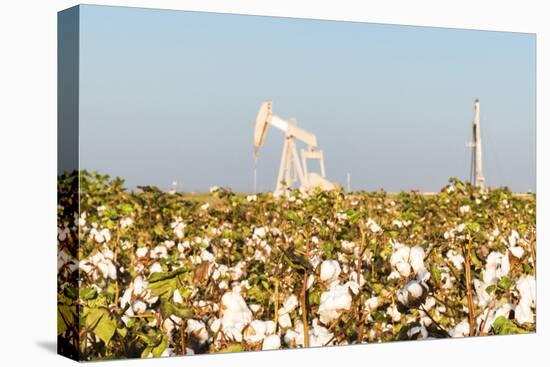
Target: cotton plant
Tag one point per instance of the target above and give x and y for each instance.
(204, 280)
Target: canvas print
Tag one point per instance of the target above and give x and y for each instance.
(233, 183)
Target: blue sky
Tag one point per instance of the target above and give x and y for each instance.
(172, 95)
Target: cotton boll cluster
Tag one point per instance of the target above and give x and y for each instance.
(235, 315)
(406, 260)
(526, 287)
(412, 294)
(126, 222)
(319, 335)
(456, 259)
(100, 236)
(258, 330)
(178, 227)
(460, 330)
(373, 226)
(336, 300)
(197, 330)
(99, 264)
(330, 270)
(289, 305)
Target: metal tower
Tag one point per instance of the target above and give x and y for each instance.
(476, 167)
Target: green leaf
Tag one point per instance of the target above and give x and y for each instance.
(157, 351)
(505, 283)
(105, 329)
(503, 326)
(65, 318)
(233, 348)
(436, 274)
(126, 208)
(87, 293)
(100, 323)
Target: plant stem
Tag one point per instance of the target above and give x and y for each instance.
(471, 312)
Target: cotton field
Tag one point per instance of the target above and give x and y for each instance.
(148, 273)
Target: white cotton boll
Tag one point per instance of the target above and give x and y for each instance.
(411, 294)
(315, 240)
(126, 222)
(517, 251)
(215, 325)
(373, 226)
(251, 198)
(177, 298)
(169, 244)
(319, 336)
(271, 342)
(418, 332)
(270, 327)
(198, 329)
(333, 302)
(207, 256)
(429, 303)
(330, 270)
(178, 228)
(105, 234)
(291, 338)
(495, 267)
(417, 258)
(235, 315)
(456, 259)
(372, 304)
(353, 278)
(403, 268)
(155, 268)
(254, 332)
(526, 286)
(139, 307)
(353, 287)
(85, 266)
(233, 333)
(348, 245)
(168, 326)
(142, 252)
(310, 281)
(393, 313)
(512, 239)
(289, 305)
(483, 298)
(111, 270)
(223, 285)
(127, 316)
(126, 297)
(159, 252)
(259, 232)
(464, 209)
(104, 268)
(284, 321)
(255, 307)
(140, 285)
(216, 274)
(394, 275)
(462, 329)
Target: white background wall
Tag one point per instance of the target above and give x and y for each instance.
(28, 180)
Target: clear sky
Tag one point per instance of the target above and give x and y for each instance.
(172, 96)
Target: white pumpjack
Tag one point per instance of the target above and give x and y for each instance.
(292, 168)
